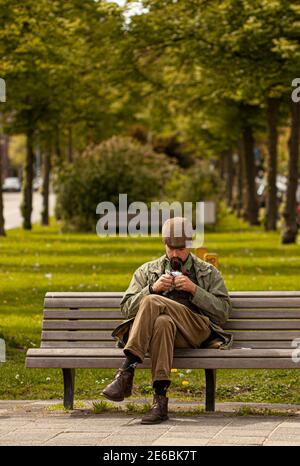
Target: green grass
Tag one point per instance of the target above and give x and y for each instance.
(104, 406)
(32, 263)
(248, 411)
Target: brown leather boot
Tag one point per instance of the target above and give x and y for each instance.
(158, 412)
(120, 387)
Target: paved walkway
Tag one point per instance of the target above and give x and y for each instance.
(12, 213)
(34, 423)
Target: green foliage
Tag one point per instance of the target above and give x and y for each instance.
(103, 406)
(132, 407)
(202, 184)
(199, 182)
(250, 411)
(116, 166)
(60, 407)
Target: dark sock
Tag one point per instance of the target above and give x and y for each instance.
(161, 387)
(130, 362)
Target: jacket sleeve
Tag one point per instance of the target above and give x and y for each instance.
(215, 302)
(138, 288)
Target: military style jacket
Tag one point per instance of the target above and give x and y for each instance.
(211, 297)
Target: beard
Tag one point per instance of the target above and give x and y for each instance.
(176, 264)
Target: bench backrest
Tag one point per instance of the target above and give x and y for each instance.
(259, 319)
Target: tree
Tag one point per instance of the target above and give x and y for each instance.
(53, 73)
(289, 233)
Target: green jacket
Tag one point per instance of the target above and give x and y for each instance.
(211, 296)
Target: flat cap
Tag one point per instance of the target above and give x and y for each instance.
(177, 232)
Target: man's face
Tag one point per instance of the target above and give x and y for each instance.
(177, 253)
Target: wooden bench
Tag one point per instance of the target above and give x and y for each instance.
(77, 334)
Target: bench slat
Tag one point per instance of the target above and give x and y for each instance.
(265, 314)
(266, 302)
(115, 303)
(111, 344)
(116, 314)
(178, 352)
(119, 294)
(238, 302)
(82, 302)
(287, 335)
(111, 324)
(262, 344)
(78, 294)
(80, 324)
(102, 335)
(76, 335)
(78, 344)
(189, 363)
(262, 325)
(264, 294)
(83, 314)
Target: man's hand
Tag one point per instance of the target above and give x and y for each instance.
(164, 282)
(182, 282)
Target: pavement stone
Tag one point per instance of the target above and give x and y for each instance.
(32, 423)
(77, 438)
(237, 441)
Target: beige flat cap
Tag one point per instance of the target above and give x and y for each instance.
(177, 232)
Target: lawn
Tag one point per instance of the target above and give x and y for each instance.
(32, 263)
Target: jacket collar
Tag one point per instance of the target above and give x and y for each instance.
(186, 268)
(202, 268)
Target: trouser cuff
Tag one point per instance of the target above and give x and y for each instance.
(135, 352)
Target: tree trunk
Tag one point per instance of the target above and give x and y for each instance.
(46, 183)
(70, 144)
(57, 143)
(289, 233)
(249, 164)
(271, 189)
(240, 177)
(229, 177)
(26, 207)
(2, 229)
(6, 168)
(222, 164)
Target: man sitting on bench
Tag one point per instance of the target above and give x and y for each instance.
(175, 301)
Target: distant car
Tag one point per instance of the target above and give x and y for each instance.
(11, 184)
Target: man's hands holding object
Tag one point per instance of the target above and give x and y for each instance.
(175, 280)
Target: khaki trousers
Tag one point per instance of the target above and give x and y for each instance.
(160, 325)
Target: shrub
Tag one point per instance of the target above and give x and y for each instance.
(200, 182)
(118, 165)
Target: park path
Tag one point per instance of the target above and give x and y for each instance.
(12, 214)
(34, 423)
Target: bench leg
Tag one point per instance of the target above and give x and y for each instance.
(210, 390)
(69, 381)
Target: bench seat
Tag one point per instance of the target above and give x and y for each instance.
(183, 358)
